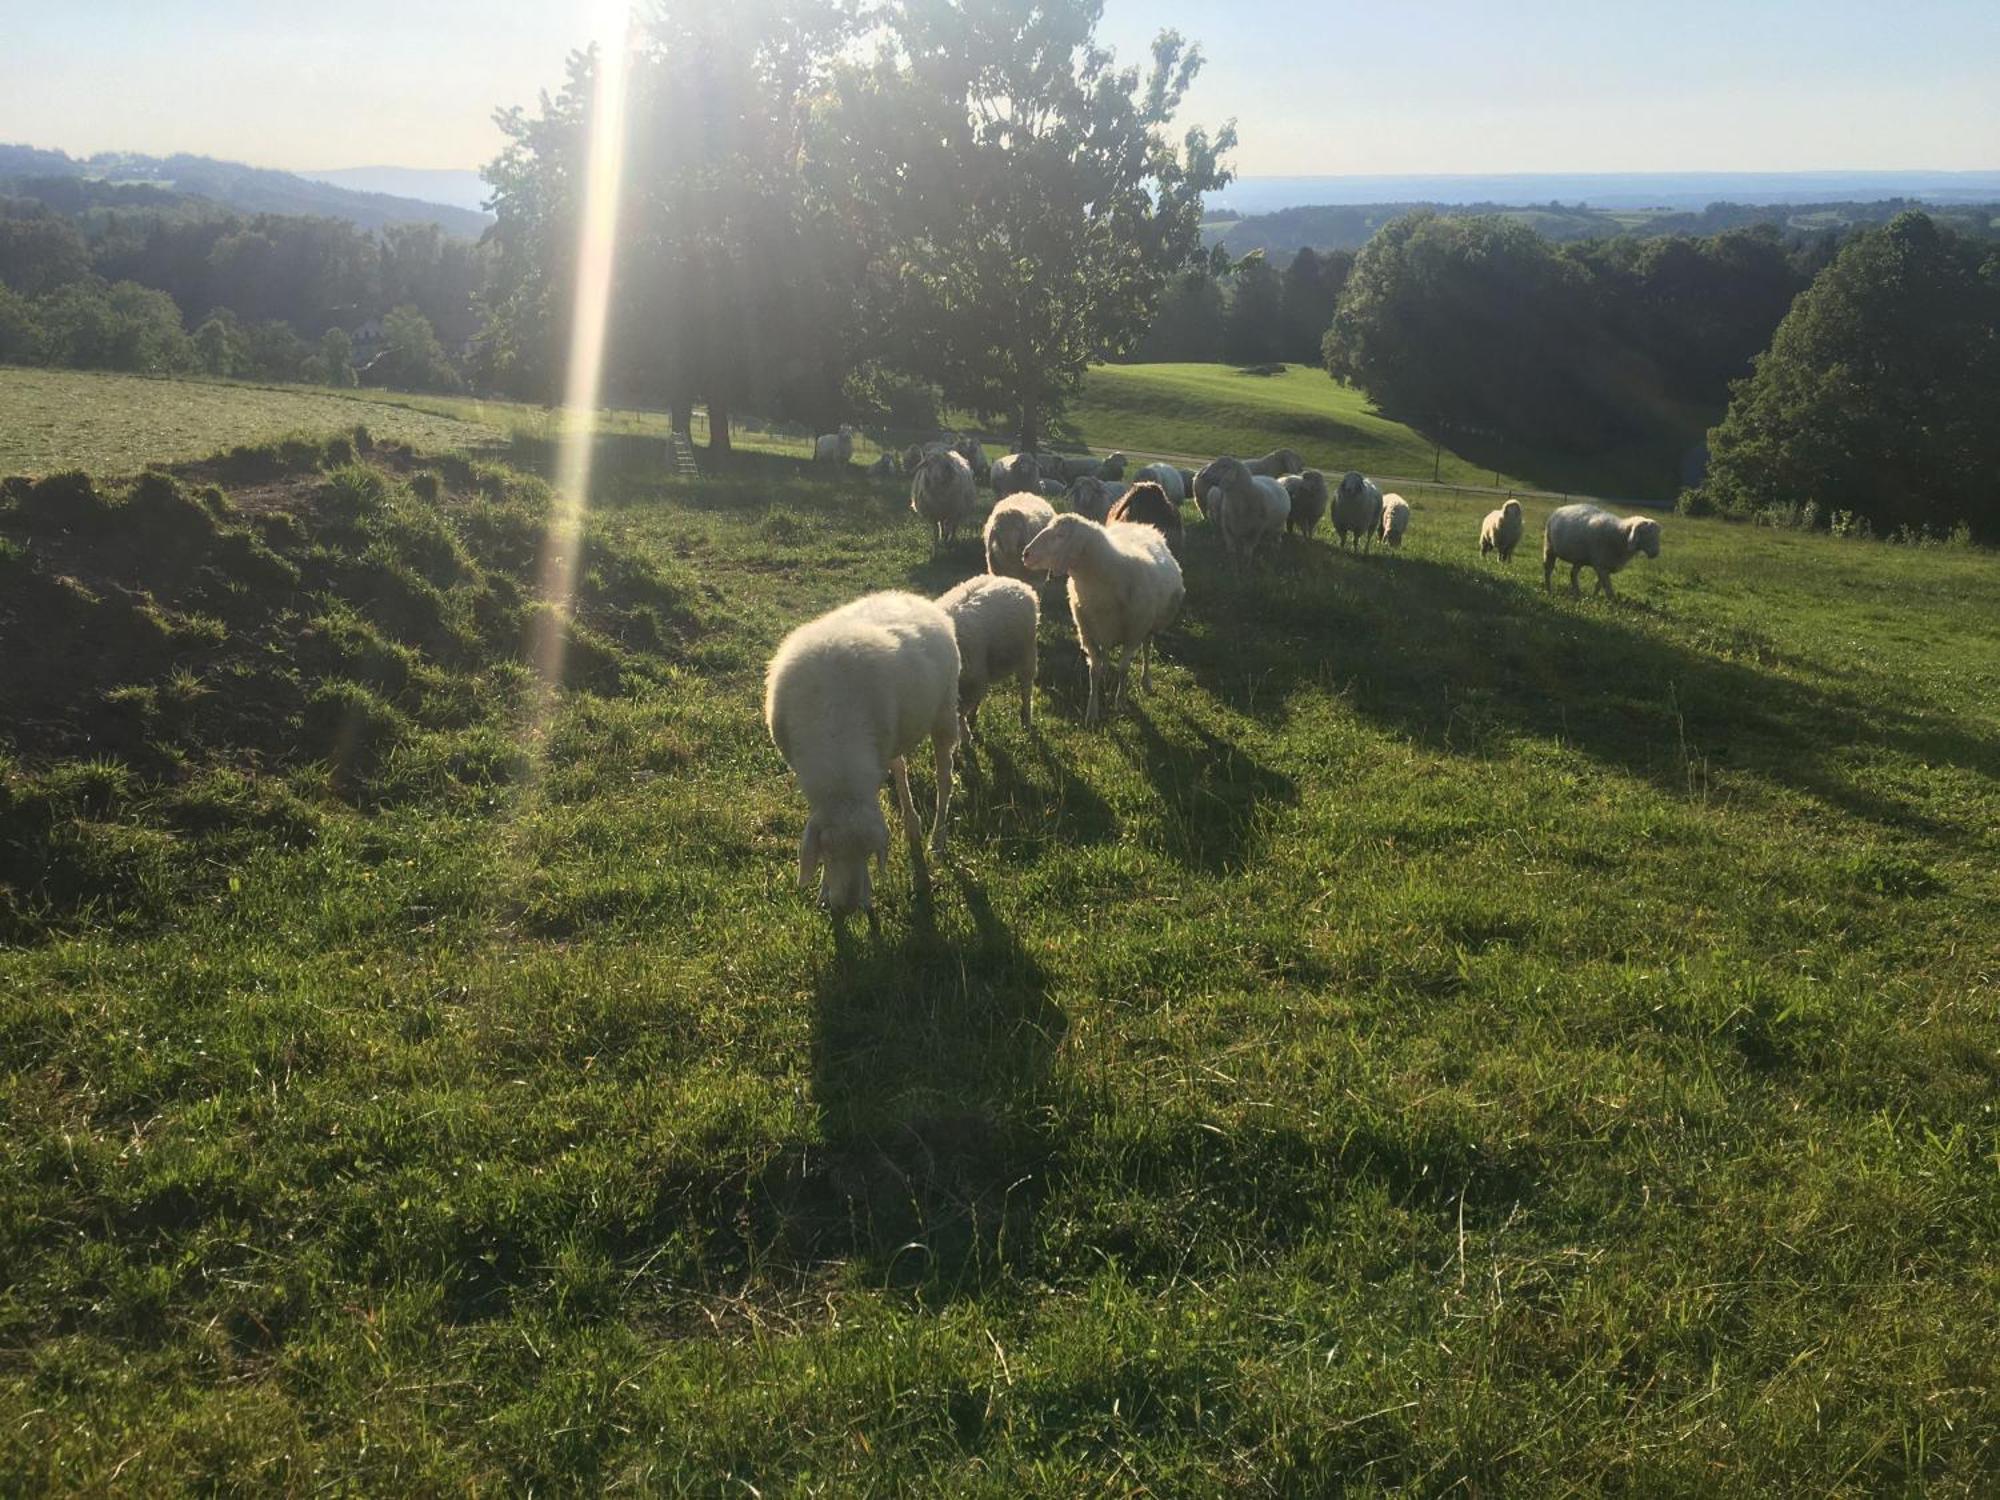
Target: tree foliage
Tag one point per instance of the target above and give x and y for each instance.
(1253, 333)
(1020, 198)
(1880, 390)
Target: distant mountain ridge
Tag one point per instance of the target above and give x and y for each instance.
(467, 190)
(244, 188)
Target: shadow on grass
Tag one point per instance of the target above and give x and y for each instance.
(932, 1053)
(1465, 660)
(1211, 791)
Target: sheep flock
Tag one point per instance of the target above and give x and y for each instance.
(850, 694)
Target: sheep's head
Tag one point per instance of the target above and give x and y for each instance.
(1350, 484)
(1219, 474)
(1312, 484)
(1051, 549)
(1642, 535)
(838, 847)
(1512, 507)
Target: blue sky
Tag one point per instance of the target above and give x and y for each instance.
(1316, 87)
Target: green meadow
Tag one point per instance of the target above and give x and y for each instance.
(1445, 1037)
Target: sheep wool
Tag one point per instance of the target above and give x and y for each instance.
(996, 620)
(1501, 530)
(847, 697)
(1124, 588)
(1014, 523)
(1395, 520)
(1308, 494)
(942, 492)
(1588, 536)
(1168, 478)
(1357, 510)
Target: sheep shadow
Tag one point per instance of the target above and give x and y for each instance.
(1211, 790)
(933, 1049)
(1467, 660)
(1016, 806)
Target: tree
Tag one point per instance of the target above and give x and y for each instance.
(333, 362)
(1312, 287)
(20, 329)
(1254, 331)
(1188, 325)
(40, 252)
(219, 346)
(1021, 201)
(734, 286)
(412, 359)
(1879, 390)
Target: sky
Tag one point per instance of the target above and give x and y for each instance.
(1316, 86)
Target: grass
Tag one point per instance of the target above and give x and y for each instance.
(1195, 411)
(1445, 1037)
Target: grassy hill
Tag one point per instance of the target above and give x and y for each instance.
(1444, 1036)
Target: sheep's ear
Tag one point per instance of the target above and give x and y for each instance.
(809, 855)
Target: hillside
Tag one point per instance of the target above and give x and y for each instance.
(1444, 1037)
(234, 185)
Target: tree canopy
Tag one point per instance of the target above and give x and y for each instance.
(1879, 392)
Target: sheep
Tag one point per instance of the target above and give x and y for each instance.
(1277, 461)
(1011, 526)
(971, 450)
(1250, 508)
(941, 491)
(846, 699)
(996, 620)
(1054, 489)
(1149, 504)
(884, 466)
(1357, 510)
(1187, 483)
(1113, 467)
(834, 447)
(1093, 497)
(1589, 535)
(1202, 485)
(1016, 474)
(1501, 530)
(1168, 478)
(1307, 491)
(1124, 588)
(1395, 520)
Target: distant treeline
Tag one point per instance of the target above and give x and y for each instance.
(1350, 226)
(75, 258)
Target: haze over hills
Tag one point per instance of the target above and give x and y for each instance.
(244, 188)
(1604, 190)
(466, 190)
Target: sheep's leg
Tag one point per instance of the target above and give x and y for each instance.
(1146, 664)
(913, 828)
(1575, 571)
(1548, 574)
(1604, 584)
(941, 748)
(1028, 695)
(1124, 670)
(1090, 709)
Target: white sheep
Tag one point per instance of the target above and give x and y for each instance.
(847, 698)
(884, 466)
(1395, 520)
(1251, 509)
(1590, 536)
(834, 447)
(1011, 526)
(1124, 588)
(942, 492)
(996, 620)
(1308, 494)
(1016, 474)
(1357, 510)
(1168, 478)
(1501, 530)
(1093, 497)
(974, 453)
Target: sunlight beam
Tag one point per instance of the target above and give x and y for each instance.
(597, 244)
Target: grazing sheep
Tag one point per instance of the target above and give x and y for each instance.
(912, 456)
(884, 467)
(1251, 509)
(834, 447)
(1113, 467)
(996, 620)
(1187, 483)
(1148, 504)
(1395, 520)
(1590, 536)
(1277, 461)
(942, 492)
(1124, 588)
(1308, 495)
(1168, 478)
(1202, 486)
(1357, 510)
(847, 698)
(1016, 474)
(970, 449)
(1012, 525)
(1054, 489)
(1501, 530)
(1093, 497)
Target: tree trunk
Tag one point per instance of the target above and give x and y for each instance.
(718, 428)
(1031, 426)
(683, 417)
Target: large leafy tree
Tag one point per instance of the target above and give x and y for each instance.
(1880, 389)
(733, 286)
(1313, 283)
(1021, 198)
(1254, 332)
